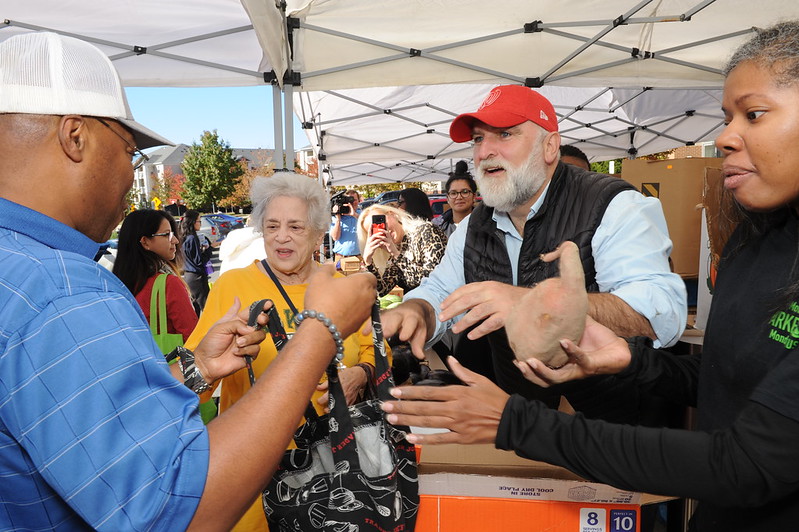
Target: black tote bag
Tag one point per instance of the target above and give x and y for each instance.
(352, 471)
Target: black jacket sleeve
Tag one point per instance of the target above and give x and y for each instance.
(674, 377)
(753, 462)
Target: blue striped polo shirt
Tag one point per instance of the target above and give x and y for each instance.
(94, 430)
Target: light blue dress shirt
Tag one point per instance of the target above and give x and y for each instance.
(631, 248)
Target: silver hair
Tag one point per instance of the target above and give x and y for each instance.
(289, 184)
(776, 48)
(408, 222)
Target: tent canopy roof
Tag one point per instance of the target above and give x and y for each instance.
(596, 59)
(154, 43)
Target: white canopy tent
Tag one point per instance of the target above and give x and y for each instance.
(174, 43)
(400, 134)
(415, 64)
(380, 80)
(153, 43)
(341, 44)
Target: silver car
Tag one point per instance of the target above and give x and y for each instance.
(210, 230)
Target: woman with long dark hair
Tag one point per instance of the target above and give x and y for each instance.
(149, 247)
(196, 253)
(416, 203)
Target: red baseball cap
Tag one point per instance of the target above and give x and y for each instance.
(506, 106)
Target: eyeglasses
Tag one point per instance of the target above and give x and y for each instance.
(170, 234)
(142, 157)
(462, 193)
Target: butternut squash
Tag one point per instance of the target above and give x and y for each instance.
(552, 310)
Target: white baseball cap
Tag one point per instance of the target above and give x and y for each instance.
(48, 74)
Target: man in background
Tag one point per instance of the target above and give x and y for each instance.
(574, 156)
(344, 227)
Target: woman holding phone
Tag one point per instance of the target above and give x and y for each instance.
(399, 249)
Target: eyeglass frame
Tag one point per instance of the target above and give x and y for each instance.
(170, 234)
(143, 158)
(452, 194)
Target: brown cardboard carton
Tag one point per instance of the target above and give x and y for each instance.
(477, 487)
(678, 183)
(350, 264)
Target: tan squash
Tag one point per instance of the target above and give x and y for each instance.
(552, 310)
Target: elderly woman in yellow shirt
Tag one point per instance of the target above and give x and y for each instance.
(292, 212)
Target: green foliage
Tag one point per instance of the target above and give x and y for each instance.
(211, 171)
(603, 167)
(240, 197)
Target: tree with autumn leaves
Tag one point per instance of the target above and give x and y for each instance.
(211, 171)
(240, 197)
(168, 188)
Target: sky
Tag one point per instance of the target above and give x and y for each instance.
(241, 115)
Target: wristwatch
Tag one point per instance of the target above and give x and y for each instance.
(192, 377)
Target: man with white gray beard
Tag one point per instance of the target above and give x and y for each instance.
(532, 203)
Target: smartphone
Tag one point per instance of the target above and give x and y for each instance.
(378, 222)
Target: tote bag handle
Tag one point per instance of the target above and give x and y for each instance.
(341, 430)
(158, 306)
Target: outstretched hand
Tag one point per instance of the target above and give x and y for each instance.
(221, 351)
(471, 413)
(412, 322)
(488, 301)
(600, 352)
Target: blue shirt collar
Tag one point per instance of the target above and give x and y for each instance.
(46, 230)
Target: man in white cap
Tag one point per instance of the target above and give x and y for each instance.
(94, 431)
(531, 204)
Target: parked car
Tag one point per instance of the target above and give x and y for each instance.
(365, 203)
(219, 225)
(438, 202)
(389, 196)
(234, 221)
(211, 229)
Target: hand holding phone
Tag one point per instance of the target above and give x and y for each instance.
(378, 222)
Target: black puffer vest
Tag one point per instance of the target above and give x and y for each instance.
(572, 210)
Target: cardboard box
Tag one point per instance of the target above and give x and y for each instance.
(678, 183)
(479, 488)
(350, 264)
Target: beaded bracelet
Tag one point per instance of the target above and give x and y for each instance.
(298, 319)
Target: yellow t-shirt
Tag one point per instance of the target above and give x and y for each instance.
(249, 285)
